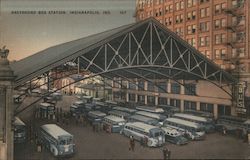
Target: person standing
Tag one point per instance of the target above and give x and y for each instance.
(133, 144)
(165, 153)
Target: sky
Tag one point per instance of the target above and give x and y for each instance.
(29, 26)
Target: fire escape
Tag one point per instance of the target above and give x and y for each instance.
(236, 42)
(237, 39)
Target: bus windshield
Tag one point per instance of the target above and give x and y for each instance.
(65, 141)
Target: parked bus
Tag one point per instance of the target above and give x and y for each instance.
(47, 109)
(120, 114)
(95, 116)
(124, 109)
(207, 123)
(155, 136)
(150, 109)
(169, 110)
(158, 117)
(140, 118)
(113, 124)
(200, 113)
(174, 136)
(103, 107)
(230, 123)
(58, 141)
(192, 130)
(19, 131)
(87, 99)
(77, 108)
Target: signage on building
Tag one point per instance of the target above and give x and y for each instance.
(240, 94)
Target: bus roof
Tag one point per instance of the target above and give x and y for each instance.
(18, 122)
(170, 130)
(124, 109)
(78, 102)
(97, 113)
(111, 102)
(86, 97)
(114, 118)
(191, 117)
(119, 112)
(55, 131)
(150, 109)
(142, 126)
(152, 115)
(142, 118)
(183, 122)
(45, 104)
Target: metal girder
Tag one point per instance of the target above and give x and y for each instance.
(147, 46)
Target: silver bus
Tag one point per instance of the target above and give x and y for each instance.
(77, 108)
(113, 124)
(150, 109)
(155, 136)
(95, 116)
(47, 109)
(169, 110)
(207, 123)
(120, 114)
(58, 141)
(20, 131)
(174, 136)
(192, 130)
(140, 118)
(158, 117)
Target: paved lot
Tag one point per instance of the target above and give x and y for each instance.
(102, 145)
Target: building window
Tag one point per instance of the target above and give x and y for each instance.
(179, 31)
(191, 29)
(203, 1)
(189, 105)
(217, 24)
(217, 9)
(204, 41)
(175, 102)
(191, 3)
(131, 97)
(177, 6)
(190, 89)
(220, 54)
(204, 26)
(162, 100)
(220, 38)
(141, 85)
(132, 85)
(151, 86)
(182, 4)
(207, 107)
(175, 88)
(141, 99)
(223, 22)
(151, 100)
(207, 53)
(162, 87)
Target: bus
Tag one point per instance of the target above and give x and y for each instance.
(158, 117)
(95, 116)
(87, 99)
(191, 130)
(20, 131)
(103, 107)
(150, 109)
(207, 123)
(47, 109)
(169, 110)
(113, 124)
(77, 108)
(140, 118)
(120, 114)
(174, 136)
(124, 109)
(155, 136)
(230, 123)
(58, 141)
